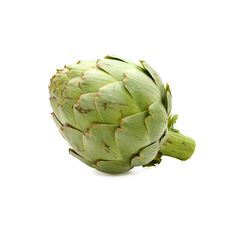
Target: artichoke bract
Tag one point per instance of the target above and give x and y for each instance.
(116, 114)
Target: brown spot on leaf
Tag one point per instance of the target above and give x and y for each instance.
(82, 110)
(105, 105)
(106, 147)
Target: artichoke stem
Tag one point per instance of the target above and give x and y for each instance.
(178, 146)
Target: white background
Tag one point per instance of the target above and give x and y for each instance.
(45, 191)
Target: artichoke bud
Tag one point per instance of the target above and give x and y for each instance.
(116, 114)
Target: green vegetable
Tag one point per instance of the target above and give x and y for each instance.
(116, 115)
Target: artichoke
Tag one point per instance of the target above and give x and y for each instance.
(116, 115)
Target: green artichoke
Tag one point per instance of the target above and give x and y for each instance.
(116, 114)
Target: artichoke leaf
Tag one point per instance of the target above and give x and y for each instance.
(146, 155)
(101, 137)
(156, 121)
(132, 135)
(143, 91)
(155, 77)
(84, 160)
(115, 68)
(113, 167)
(168, 100)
